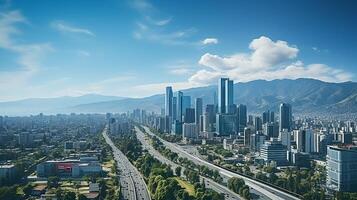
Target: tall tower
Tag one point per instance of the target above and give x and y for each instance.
(168, 101)
(285, 117)
(179, 109)
(225, 95)
(198, 109)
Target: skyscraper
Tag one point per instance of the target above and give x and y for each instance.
(189, 115)
(186, 103)
(285, 120)
(225, 95)
(242, 117)
(168, 101)
(179, 106)
(174, 108)
(229, 96)
(198, 109)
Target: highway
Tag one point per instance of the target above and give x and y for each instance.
(133, 186)
(229, 195)
(268, 191)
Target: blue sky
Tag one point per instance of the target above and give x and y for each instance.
(135, 48)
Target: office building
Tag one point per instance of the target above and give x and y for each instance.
(225, 95)
(242, 117)
(177, 127)
(274, 151)
(285, 119)
(25, 139)
(179, 106)
(304, 140)
(271, 130)
(226, 124)
(342, 168)
(190, 131)
(168, 101)
(189, 116)
(7, 172)
(285, 137)
(268, 116)
(258, 124)
(174, 108)
(198, 109)
(256, 141)
(247, 134)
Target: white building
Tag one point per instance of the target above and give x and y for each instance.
(190, 131)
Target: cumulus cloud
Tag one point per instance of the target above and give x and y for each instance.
(65, 28)
(209, 41)
(268, 60)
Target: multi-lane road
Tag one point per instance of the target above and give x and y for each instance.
(266, 190)
(132, 184)
(229, 195)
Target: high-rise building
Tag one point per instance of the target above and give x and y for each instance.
(247, 134)
(272, 117)
(179, 106)
(258, 124)
(225, 95)
(168, 101)
(341, 168)
(186, 103)
(250, 120)
(189, 115)
(285, 120)
(242, 117)
(174, 108)
(256, 141)
(190, 130)
(198, 109)
(285, 137)
(304, 140)
(226, 124)
(271, 130)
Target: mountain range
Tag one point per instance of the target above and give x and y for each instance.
(305, 95)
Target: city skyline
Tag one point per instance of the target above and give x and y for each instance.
(74, 48)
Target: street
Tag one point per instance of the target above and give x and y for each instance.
(131, 181)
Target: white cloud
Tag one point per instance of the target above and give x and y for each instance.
(209, 41)
(153, 34)
(180, 71)
(14, 82)
(267, 60)
(65, 28)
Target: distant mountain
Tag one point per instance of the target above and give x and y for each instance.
(50, 105)
(305, 95)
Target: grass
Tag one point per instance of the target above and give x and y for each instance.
(187, 186)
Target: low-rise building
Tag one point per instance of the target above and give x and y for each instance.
(274, 151)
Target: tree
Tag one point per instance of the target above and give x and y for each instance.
(82, 197)
(69, 195)
(178, 171)
(8, 193)
(53, 181)
(27, 189)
